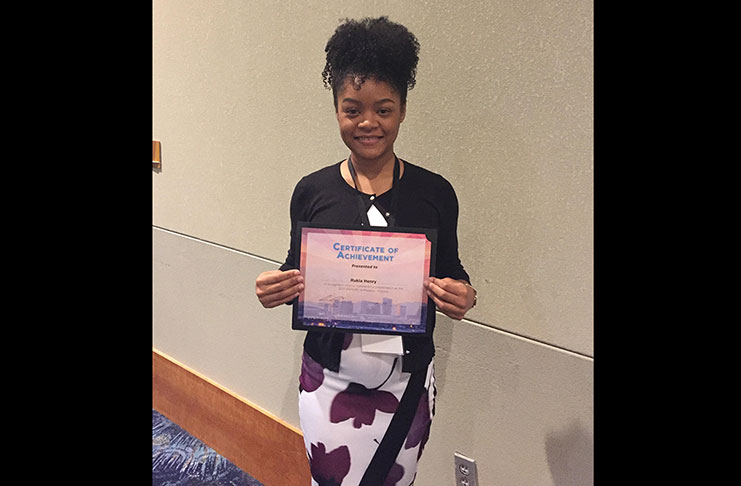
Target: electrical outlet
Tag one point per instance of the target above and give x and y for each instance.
(465, 471)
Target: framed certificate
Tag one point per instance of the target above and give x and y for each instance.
(368, 280)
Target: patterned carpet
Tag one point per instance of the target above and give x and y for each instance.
(179, 459)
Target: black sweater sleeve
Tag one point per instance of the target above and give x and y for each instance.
(448, 260)
(299, 203)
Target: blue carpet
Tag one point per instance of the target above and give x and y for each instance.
(179, 459)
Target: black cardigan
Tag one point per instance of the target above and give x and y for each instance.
(425, 200)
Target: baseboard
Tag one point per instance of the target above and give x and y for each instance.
(259, 443)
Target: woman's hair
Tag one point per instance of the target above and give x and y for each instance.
(371, 48)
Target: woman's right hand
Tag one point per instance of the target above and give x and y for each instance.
(277, 287)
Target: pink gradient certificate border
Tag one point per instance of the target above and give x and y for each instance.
(368, 281)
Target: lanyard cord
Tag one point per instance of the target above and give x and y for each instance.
(391, 220)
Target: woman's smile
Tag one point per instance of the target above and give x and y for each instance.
(368, 139)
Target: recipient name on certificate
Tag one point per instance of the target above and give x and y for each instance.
(365, 280)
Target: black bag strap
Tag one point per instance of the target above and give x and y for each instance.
(388, 450)
(391, 221)
(401, 422)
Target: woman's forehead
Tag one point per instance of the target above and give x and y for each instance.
(355, 87)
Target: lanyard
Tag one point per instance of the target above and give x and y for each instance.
(391, 215)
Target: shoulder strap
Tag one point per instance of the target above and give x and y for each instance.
(401, 422)
(394, 193)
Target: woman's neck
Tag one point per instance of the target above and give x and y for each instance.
(373, 176)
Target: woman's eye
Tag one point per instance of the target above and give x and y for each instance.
(384, 111)
(351, 112)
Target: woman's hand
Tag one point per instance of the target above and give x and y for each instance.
(276, 287)
(452, 297)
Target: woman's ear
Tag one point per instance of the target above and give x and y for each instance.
(403, 112)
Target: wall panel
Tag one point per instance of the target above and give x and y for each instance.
(502, 108)
(522, 409)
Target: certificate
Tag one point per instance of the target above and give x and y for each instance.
(365, 280)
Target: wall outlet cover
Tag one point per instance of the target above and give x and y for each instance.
(465, 471)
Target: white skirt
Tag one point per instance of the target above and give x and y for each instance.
(345, 415)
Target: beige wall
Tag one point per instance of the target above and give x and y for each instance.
(502, 108)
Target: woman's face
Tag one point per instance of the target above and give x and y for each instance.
(369, 119)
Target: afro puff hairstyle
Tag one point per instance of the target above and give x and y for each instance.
(371, 48)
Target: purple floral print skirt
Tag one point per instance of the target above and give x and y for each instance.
(345, 415)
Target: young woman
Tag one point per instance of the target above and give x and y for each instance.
(349, 395)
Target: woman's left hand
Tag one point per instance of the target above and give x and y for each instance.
(452, 297)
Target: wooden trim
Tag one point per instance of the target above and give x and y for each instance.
(156, 154)
(261, 444)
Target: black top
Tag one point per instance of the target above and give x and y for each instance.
(425, 200)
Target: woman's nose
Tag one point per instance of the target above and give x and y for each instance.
(368, 121)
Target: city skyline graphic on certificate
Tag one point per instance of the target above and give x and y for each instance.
(364, 280)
